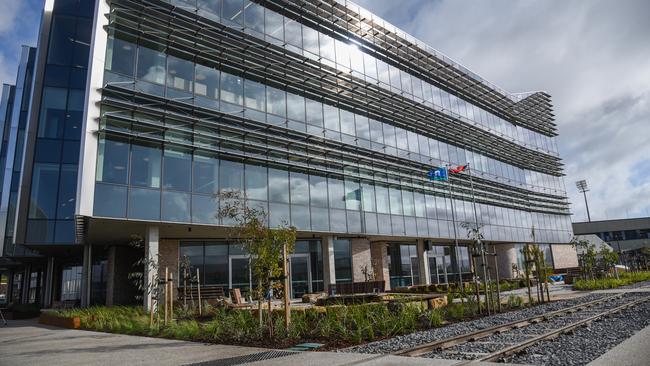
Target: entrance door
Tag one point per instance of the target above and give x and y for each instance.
(240, 272)
(299, 275)
(438, 269)
(415, 270)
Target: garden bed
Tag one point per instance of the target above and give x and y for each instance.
(334, 326)
(57, 320)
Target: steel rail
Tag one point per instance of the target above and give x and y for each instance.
(482, 333)
(554, 333)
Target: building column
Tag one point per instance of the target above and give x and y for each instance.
(361, 259)
(86, 273)
(379, 258)
(27, 272)
(423, 263)
(49, 283)
(110, 276)
(151, 247)
(506, 257)
(329, 270)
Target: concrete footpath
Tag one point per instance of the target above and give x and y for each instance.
(634, 351)
(26, 342)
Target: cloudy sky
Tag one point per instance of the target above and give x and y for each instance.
(592, 56)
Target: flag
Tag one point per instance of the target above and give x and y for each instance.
(458, 169)
(438, 174)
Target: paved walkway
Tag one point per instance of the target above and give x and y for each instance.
(29, 343)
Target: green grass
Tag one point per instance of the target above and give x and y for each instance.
(624, 279)
(339, 324)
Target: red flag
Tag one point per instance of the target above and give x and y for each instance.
(458, 169)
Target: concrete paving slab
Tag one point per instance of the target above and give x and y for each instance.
(30, 343)
(634, 351)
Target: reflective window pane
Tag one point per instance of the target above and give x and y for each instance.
(231, 88)
(336, 193)
(120, 56)
(175, 206)
(278, 185)
(53, 113)
(256, 182)
(206, 82)
(45, 184)
(318, 191)
(145, 165)
(177, 169)
(276, 102)
(231, 178)
(296, 107)
(205, 209)
(254, 95)
(110, 200)
(205, 173)
(180, 74)
(151, 65)
(144, 204)
(299, 188)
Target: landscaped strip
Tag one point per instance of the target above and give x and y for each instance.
(624, 279)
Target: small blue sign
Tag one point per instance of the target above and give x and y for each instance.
(438, 174)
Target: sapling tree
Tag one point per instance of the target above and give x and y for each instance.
(263, 244)
(587, 256)
(475, 234)
(142, 268)
(608, 258)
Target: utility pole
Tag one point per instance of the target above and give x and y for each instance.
(582, 187)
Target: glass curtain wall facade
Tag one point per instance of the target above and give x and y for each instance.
(53, 164)
(319, 112)
(309, 159)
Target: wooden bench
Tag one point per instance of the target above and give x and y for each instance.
(368, 287)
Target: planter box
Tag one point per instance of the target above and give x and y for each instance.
(57, 321)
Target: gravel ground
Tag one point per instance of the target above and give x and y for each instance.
(417, 338)
(589, 342)
(496, 342)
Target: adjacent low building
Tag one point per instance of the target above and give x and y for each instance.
(130, 116)
(629, 237)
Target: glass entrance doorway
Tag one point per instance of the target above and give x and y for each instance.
(240, 272)
(403, 265)
(300, 275)
(438, 269)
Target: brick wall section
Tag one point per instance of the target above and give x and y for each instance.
(168, 251)
(360, 249)
(379, 259)
(564, 256)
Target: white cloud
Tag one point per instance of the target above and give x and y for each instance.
(9, 15)
(593, 57)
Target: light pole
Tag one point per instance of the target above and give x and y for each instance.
(582, 187)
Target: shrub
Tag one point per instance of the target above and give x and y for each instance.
(625, 278)
(435, 318)
(515, 301)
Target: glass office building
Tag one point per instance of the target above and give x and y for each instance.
(319, 112)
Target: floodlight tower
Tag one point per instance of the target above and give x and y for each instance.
(582, 187)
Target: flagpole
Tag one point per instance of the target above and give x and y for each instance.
(481, 244)
(453, 220)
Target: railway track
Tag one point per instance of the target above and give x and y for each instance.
(497, 342)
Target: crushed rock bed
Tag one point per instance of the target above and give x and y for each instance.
(587, 343)
(414, 339)
(499, 341)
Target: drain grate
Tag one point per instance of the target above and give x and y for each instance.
(240, 360)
